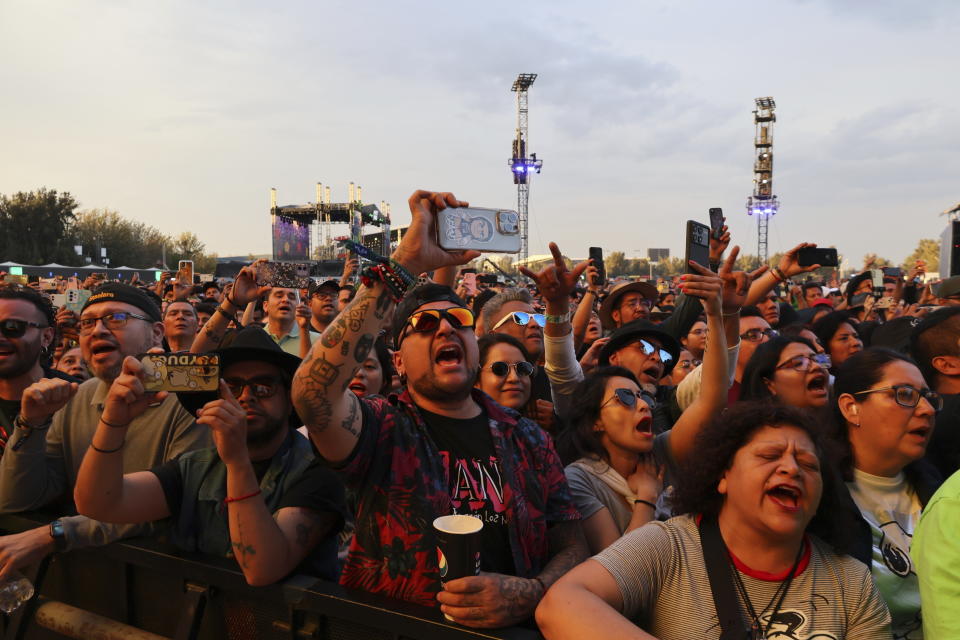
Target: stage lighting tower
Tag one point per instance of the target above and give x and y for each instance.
(763, 203)
(521, 166)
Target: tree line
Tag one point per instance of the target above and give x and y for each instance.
(43, 226)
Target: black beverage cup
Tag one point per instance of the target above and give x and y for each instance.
(458, 546)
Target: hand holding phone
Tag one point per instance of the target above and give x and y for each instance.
(596, 254)
(180, 372)
(698, 245)
(716, 223)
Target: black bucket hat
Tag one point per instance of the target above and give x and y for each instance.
(250, 343)
(641, 329)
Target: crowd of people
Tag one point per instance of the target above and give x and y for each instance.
(727, 453)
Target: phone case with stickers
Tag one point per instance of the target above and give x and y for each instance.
(181, 372)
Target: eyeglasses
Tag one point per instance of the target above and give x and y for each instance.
(523, 318)
(501, 369)
(16, 328)
(802, 363)
(628, 398)
(688, 364)
(259, 388)
(909, 397)
(428, 320)
(757, 335)
(116, 320)
(699, 332)
(649, 349)
(634, 302)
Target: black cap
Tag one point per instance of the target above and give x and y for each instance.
(250, 343)
(634, 331)
(417, 297)
(118, 292)
(332, 284)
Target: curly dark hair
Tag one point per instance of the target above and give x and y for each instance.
(763, 364)
(695, 490)
(578, 439)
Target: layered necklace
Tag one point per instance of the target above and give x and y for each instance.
(757, 630)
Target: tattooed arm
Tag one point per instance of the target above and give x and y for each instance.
(493, 600)
(330, 411)
(245, 290)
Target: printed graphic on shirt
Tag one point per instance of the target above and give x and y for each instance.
(789, 625)
(894, 546)
(476, 488)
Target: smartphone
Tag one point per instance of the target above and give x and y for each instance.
(716, 222)
(488, 230)
(470, 283)
(58, 300)
(282, 274)
(698, 245)
(809, 256)
(893, 272)
(876, 277)
(596, 254)
(180, 372)
(185, 272)
(76, 298)
(73, 282)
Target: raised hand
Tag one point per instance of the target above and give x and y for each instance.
(717, 247)
(646, 481)
(245, 289)
(127, 398)
(703, 284)
(303, 316)
(44, 398)
(555, 281)
(227, 420)
(790, 265)
(418, 251)
(66, 321)
(736, 284)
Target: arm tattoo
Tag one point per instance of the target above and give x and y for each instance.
(364, 344)
(519, 597)
(241, 551)
(345, 348)
(568, 548)
(383, 306)
(333, 335)
(348, 423)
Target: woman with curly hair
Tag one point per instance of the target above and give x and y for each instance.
(754, 489)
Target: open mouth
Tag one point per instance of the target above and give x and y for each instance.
(358, 388)
(450, 354)
(654, 372)
(818, 383)
(920, 432)
(102, 348)
(645, 425)
(7, 351)
(785, 496)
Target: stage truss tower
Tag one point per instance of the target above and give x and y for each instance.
(763, 203)
(521, 166)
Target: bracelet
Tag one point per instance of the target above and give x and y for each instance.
(232, 303)
(249, 495)
(646, 502)
(778, 274)
(109, 424)
(223, 312)
(558, 319)
(99, 450)
(729, 315)
(19, 423)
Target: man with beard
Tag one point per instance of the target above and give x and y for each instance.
(323, 304)
(180, 325)
(440, 448)
(26, 332)
(281, 503)
(58, 419)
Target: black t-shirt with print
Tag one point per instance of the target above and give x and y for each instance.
(476, 482)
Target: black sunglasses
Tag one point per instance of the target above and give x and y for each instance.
(16, 328)
(428, 320)
(501, 369)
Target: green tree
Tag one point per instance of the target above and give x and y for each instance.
(927, 249)
(873, 261)
(128, 243)
(35, 227)
(616, 264)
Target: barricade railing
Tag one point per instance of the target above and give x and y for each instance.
(156, 589)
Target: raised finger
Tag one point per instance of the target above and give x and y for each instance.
(759, 271)
(731, 260)
(579, 269)
(527, 272)
(557, 256)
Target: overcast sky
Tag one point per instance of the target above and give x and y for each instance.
(184, 114)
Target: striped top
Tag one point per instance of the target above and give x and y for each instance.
(663, 582)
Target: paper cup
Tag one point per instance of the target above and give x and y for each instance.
(458, 547)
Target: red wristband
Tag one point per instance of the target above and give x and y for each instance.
(249, 495)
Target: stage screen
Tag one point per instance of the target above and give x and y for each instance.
(291, 239)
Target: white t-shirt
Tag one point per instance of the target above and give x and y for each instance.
(892, 510)
(665, 588)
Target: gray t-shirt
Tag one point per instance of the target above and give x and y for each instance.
(660, 571)
(590, 493)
